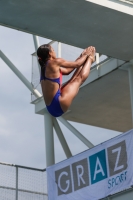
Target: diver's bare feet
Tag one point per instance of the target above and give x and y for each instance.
(84, 52)
(92, 55)
(87, 51)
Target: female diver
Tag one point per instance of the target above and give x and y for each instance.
(58, 98)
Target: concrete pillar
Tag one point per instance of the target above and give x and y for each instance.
(62, 138)
(49, 139)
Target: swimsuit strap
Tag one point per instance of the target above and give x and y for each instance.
(56, 80)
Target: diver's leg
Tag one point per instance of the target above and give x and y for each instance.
(76, 73)
(84, 73)
(70, 90)
(78, 70)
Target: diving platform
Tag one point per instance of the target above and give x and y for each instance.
(105, 24)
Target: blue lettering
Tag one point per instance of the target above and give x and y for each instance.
(120, 179)
(125, 175)
(122, 176)
(113, 181)
(117, 180)
(109, 182)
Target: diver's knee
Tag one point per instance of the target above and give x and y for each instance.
(84, 76)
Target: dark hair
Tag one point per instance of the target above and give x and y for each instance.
(43, 55)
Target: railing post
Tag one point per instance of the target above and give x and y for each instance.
(16, 183)
(36, 44)
(97, 58)
(59, 49)
(97, 62)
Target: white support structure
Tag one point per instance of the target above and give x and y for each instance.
(97, 58)
(124, 6)
(97, 62)
(36, 44)
(62, 138)
(76, 132)
(49, 139)
(59, 49)
(130, 72)
(19, 75)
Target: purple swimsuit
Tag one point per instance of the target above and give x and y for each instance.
(54, 108)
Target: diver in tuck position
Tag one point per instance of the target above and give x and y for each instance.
(58, 98)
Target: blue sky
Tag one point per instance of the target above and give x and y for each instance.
(21, 130)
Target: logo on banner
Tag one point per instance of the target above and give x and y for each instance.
(97, 167)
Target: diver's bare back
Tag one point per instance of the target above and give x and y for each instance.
(50, 88)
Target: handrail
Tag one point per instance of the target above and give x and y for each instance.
(24, 167)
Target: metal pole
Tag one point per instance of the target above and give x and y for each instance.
(76, 133)
(97, 58)
(97, 62)
(62, 138)
(36, 42)
(59, 49)
(49, 139)
(19, 75)
(130, 72)
(16, 183)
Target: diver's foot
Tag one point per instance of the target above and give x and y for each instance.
(92, 55)
(87, 51)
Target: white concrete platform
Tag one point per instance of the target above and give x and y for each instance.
(107, 25)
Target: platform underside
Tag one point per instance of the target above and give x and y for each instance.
(76, 22)
(104, 103)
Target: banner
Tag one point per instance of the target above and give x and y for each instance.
(94, 174)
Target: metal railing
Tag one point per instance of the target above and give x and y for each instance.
(22, 183)
(127, 1)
